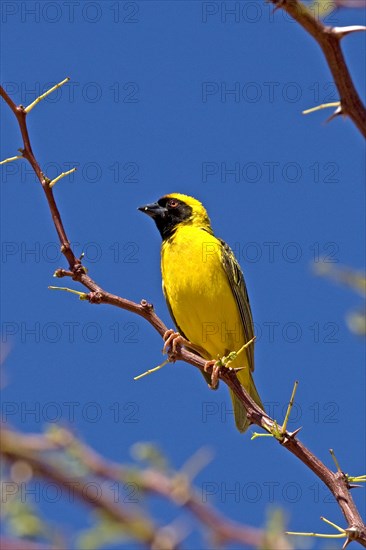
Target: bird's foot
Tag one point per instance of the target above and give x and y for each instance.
(216, 366)
(173, 340)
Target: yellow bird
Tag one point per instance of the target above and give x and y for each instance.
(205, 290)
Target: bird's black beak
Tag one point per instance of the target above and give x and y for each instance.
(154, 210)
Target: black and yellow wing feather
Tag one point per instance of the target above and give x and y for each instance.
(239, 290)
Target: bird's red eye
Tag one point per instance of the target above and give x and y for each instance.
(173, 203)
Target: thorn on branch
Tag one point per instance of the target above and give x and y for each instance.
(352, 534)
(257, 434)
(289, 408)
(62, 175)
(342, 532)
(352, 479)
(349, 479)
(341, 32)
(319, 535)
(329, 40)
(323, 106)
(357, 113)
(339, 111)
(335, 460)
(358, 478)
(82, 295)
(280, 432)
(292, 435)
(155, 369)
(225, 361)
(11, 159)
(340, 529)
(31, 106)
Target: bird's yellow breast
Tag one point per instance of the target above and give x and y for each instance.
(198, 291)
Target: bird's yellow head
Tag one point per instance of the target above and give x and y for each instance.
(174, 210)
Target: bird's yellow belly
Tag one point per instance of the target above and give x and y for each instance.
(199, 294)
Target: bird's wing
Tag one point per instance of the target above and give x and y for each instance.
(239, 289)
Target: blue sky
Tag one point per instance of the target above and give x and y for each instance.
(182, 96)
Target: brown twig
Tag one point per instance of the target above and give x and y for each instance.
(361, 4)
(154, 481)
(7, 543)
(329, 40)
(15, 446)
(175, 488)
(336, 482)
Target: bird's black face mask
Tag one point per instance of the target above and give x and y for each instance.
(167, 214)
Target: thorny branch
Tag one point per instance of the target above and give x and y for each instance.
(18, 447)
(351, 105)
(17, 544)
(329, 40)
(336, 482)
(175, 487)
(134, 524)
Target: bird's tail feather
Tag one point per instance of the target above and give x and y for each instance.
(241, 419)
